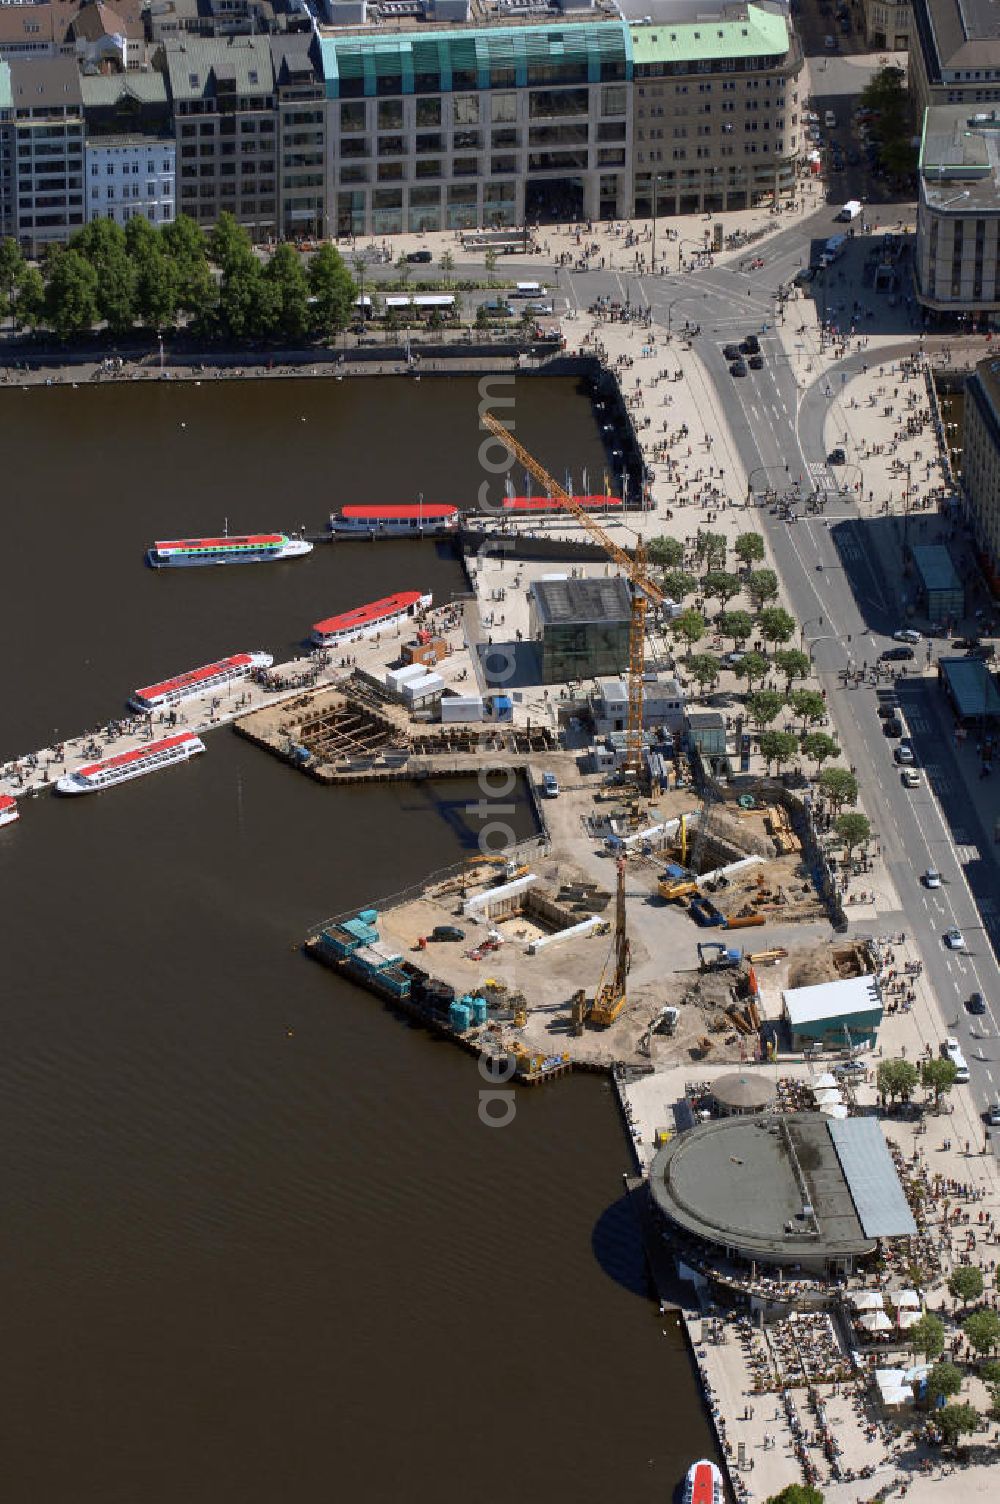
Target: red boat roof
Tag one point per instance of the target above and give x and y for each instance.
(395, 511)
(703, 1484)
(123, 759)
(232, 540)
(372, 612)
(7, 801)
(196, 675)
(545, 503)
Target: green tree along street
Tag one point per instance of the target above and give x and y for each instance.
(665, 552)
(982, 1329)
(722, 585)
(819, 747)
(938, 1075)
(753, 668)
(749, 548)
(710, 550)
(886, 94)
(839, 786)
(896, 1079)
(29, 305)
(943, 1381)
(854, 830)
(778, 747)
(704, 668)
(736, 625)
(966, 1283)
(762, 586)
(955, 1421)
(70, 294)
(808, 704)
(677, 584)
(776, 624)
(12, 269)
(150, 276)
(764, 706)
(793, 665)
(796, 1493)
(926, 1336)
(690, 626)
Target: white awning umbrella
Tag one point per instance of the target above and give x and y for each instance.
(906, 1298)
(875, 1321)
(835, 1110)
(827, 1096)
(867, 1300)
(827, 1079)
(906, 1318)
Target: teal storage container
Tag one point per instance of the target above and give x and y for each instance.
(460, 1017)
(479, 1010)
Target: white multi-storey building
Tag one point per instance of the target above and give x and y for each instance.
(131, 175)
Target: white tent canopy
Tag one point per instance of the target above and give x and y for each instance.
(867, 1300)
(905, 1318)
(906, 1298)
(875, 1321)
(892, 1386)
(826, 1079)
(827, 1096)
(834, 1110)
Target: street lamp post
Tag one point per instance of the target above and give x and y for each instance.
(814, 621)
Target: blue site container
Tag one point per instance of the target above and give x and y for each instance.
(364, 933)
(460, 1017)
(479, 1010)
(368, 916)
(339, 941)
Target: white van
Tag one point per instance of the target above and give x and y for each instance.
(830, 120)
(528, 290)
(850, 211)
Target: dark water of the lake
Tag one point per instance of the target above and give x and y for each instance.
(256, 1244)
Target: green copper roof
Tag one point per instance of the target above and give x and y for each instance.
(762, 34)
(473, 53)
(6, 97)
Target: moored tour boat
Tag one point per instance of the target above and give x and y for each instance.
(231, 548)
(366, 621)
(199, 681)
(8, 809)
(394, 520)
(545, 505)
(703, 1483)
(127, 765)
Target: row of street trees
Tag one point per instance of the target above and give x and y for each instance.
(156, 278)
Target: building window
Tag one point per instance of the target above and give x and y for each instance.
(465, 109)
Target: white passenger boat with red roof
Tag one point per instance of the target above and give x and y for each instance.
(367, 621)
(703, 1484)
(8, 809)
(200, 681)
(127, 765)
(231, 548)
(395, 520)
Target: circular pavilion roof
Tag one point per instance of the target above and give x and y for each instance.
(744, 1091)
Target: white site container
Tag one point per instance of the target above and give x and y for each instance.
(461, 708)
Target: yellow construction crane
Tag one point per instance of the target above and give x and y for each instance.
(610, 997)
(633, 565)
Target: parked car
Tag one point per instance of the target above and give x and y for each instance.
(903, 753)
(804, 276)
(887, 709)
(550, 785)
(447, 932)
(906, 634)
(896, 655)
(893, 727)
(992, 1115)
(837, 457)
(420, 256)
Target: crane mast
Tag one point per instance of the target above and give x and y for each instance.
(633, 565)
